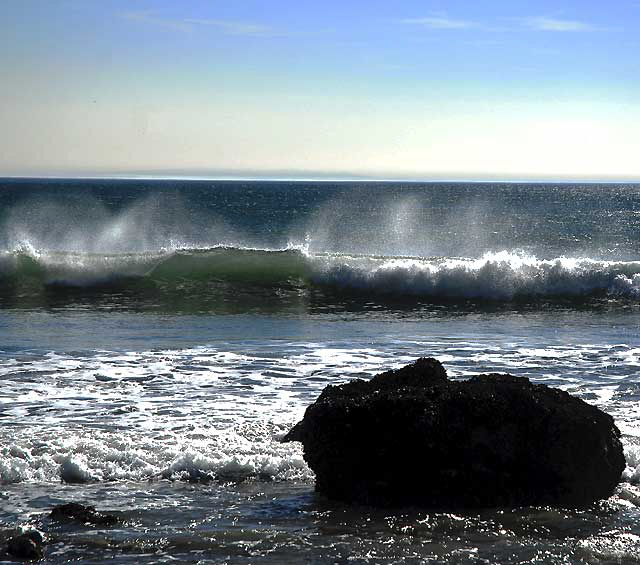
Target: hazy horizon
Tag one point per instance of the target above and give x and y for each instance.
(312, 176)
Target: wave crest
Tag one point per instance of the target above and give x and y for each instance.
(499, 276)
(495, 276)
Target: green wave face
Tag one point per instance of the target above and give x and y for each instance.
(249, 266)
(231, 264)
(220, 280)
(233, 271)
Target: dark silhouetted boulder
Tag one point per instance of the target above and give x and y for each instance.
(413, 437)
(26, 546)
(75, 512)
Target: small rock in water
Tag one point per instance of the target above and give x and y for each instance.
(26, 546)
(413, 437)
(75, 512)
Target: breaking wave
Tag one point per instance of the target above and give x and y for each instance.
(501, 276)
(494, 276)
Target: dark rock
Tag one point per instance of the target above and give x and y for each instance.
(26, 546)
(74, 512)
(413, 437)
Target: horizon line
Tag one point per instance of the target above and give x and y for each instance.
(351, 179)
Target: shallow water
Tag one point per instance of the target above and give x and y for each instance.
(260, 522)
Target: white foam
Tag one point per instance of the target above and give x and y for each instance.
(84, 455)
(498, 276)
(613, 546)
(75, 469)
(209, 411)
(626, 285)
(632, 455)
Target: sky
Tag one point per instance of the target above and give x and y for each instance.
(422, 89)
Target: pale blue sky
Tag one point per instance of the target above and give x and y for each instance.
(421, 89)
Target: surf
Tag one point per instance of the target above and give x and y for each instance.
(499, 276)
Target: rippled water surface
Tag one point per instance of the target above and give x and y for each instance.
(153, 376)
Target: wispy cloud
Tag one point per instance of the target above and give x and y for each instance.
(441, 22)
(149, 17)
(233, 28)
(554, 24)
(188, 24)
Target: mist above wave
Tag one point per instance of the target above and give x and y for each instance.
(363, 220)
(91, 226)
(393, 246)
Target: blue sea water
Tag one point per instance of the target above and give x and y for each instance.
(157, 338)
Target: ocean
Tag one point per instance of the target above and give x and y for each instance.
(158, 338)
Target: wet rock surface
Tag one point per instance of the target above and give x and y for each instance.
(83, 514)
(26, 546)
(30, 545)
(413, 437)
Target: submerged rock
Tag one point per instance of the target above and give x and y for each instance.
(26, 546)
(75, 512)
(413, 437)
